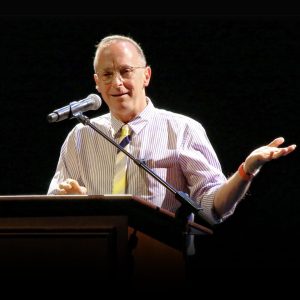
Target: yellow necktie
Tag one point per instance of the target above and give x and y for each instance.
(119, 180)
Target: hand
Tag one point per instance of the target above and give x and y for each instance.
(71, 187)
(260, 156)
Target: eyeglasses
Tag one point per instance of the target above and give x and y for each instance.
(125, 73)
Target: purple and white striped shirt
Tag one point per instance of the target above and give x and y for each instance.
(174, 146)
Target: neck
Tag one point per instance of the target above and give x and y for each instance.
(128, 116)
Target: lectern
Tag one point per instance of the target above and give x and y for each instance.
(107, 238)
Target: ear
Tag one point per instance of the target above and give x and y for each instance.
(96, 79)
(147, 75)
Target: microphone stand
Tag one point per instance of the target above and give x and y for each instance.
(187, 205)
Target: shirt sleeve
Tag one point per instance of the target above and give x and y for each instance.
(202, 169)
(67, 166)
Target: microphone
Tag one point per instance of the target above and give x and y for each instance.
(91, 102)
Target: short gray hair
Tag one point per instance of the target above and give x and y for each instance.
(106, 41)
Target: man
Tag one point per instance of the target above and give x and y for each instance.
(174, 146)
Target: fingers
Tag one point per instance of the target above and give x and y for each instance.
(60, 191)
(283, 151)
(276, 142)
(291, 148)
(260, 156)
(271, 152)
(278, 152)
(71, 186)
(65, 185)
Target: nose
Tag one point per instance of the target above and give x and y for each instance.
(117, 78)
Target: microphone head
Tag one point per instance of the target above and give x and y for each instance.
(95, 100)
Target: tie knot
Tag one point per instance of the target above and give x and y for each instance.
(124, 131)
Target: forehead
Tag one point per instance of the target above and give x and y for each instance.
(118, 53)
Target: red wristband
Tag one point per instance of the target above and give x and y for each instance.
(245, 176)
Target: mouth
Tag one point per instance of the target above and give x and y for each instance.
(119, 95)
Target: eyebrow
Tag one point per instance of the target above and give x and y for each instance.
(121, 66)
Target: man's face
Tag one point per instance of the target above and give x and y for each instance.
(121, 78)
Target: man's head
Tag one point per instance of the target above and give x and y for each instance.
(121, 76)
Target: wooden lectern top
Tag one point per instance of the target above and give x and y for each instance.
(18, 205)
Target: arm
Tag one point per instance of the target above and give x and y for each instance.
(67, 168)
(235, 188)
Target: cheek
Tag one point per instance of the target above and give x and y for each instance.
(104, 89)
(107, 88)
(129, 85)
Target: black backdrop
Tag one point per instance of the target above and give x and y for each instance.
(238, 75)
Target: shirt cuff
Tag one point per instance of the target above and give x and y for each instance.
(208, 213)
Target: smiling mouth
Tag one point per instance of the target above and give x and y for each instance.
(119, 95)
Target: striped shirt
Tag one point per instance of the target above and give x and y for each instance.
(174, 146)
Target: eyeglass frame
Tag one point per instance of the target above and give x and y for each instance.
(126, 67)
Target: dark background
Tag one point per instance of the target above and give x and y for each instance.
(238, 75)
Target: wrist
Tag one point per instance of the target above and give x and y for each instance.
(246, 176)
